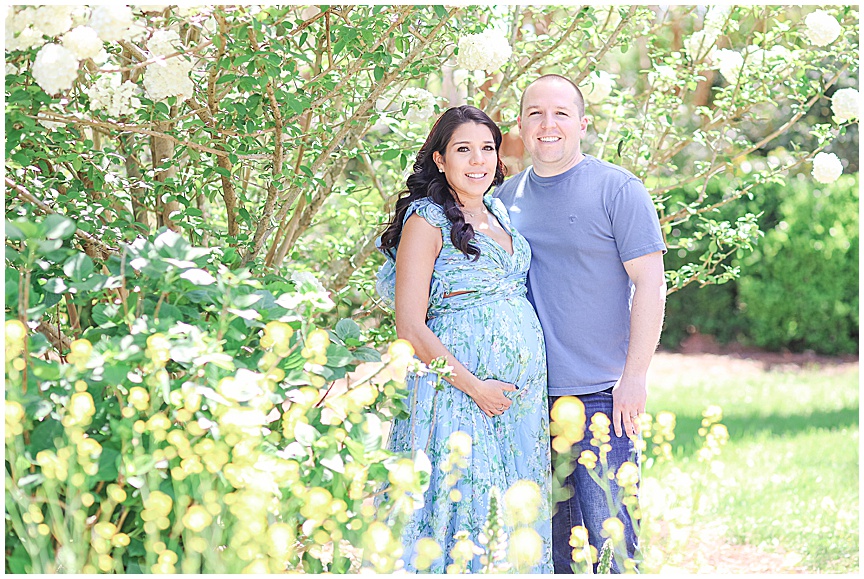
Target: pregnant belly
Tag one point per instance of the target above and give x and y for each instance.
(501, 340)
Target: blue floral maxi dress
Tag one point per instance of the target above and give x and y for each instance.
(494, 332)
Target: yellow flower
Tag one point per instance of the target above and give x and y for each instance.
(378, 537)
(578, 536)
(587, 459)
(158, 349)
(402, 474)
(79, 353)
(14, 419)
(460, 443)
(628, 475)
(614, 529)
(522, 502)
(81, 409)
(197, 519)
(713, 414)
(316, 343)
(105, 530)
(16, 333)
(159, 503)
(278, 336)
(526, 548)
(427, 550)
(317, 504)
(568, 420)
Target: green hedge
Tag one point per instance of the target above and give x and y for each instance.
(798, 290)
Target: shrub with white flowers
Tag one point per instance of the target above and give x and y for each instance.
(83, 42)
(488, 50)
(716, 17)
(167, 77)
(421, 104)
(729, 63)
(114, 98)
(55, 68)
(822, 28)
(597, 87)
(827, 167)
(700, 44)
(112, 22)
(845, 105)
(53, 20)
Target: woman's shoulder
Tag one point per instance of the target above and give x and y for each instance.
(497, 207)
(428, 210)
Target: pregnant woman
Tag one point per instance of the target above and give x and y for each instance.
(457, 284)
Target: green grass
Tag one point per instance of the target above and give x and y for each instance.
(789, 480)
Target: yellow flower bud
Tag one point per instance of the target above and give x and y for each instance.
(522, 502)
(105, 530)
(525, 548)
(139, 398)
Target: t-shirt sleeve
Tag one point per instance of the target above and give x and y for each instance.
(634, 222)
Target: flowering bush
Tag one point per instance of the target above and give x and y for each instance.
(489, 50)
(200, 422)
(827, 167)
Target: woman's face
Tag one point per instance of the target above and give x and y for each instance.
(469, 161)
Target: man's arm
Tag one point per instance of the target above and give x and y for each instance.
(646, 321)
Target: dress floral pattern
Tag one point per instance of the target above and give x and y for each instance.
(494, 332)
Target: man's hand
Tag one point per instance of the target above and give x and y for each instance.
(628, 403)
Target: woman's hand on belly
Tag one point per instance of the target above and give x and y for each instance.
(489, 396)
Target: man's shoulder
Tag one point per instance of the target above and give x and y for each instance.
(508, 187)
(613, 171)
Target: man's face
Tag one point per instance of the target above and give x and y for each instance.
(551, 127)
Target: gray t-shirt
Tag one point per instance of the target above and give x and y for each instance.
(582, 225)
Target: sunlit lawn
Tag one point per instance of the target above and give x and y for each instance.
(787, 481)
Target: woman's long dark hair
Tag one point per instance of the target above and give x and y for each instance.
(427, 181)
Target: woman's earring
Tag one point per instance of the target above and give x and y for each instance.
(440, 170)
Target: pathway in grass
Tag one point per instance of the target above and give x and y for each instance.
(783, 495)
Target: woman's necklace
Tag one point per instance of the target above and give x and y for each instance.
(483, 211)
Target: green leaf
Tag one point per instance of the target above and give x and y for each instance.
(347, 329)
(338, 356)
(58, 227)
(44, 434)
(366, 354)
(108, 463)
(55, 285)
(78, 267)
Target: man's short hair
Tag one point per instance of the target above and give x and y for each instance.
(580, 100)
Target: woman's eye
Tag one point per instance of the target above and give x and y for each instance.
(488, 148)
(462, 149)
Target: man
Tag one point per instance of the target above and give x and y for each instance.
(597, 283)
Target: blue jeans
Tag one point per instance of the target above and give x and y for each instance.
(589, 506)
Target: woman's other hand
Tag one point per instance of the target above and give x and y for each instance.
(489, 396)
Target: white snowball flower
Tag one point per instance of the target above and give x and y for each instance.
(27, 39)
(114, 98)
(822, 28)
(597, 87)
(845, 105)
(487, 51)
(716, 17)
(421, 104)
(827, 167)
(700, 44)
(112, 22)
(83, 42)
(729, 63)
(164, 42)
(167, 78)
(191, 10)
(18, 20)
(55, 68)
(53, 20)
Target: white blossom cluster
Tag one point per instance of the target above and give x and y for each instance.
(597, 87)
(83, 42)
(822, 28)
(110, 95)
(55, 67)
(729, 63)
(488, 50)
(827, 167)
(114, 22)
(421, 104)
(845, 105)
(700, 44)
(663, 77)
(167, 77)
